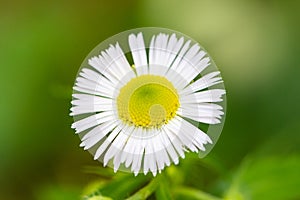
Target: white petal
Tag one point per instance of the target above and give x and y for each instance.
(176, 143)
(130, 148)
(202, 109)
(149, 159)
(89, 104)
(192, 67)
(87, 84)
(167, 51)
(162, 53)
(175, 126)
(92, 121)
(90, 74)
(138, 50)
(98, 133)
(83, 109)
(172, 49)
(117, 64)
(202, 83)
(169, 147)
(158, 70)
(177, 48)
(185, 62)
(139, 152)
(200, 113)
(105, 127)
(81, 99)
(118, 60)
(97, 78)
(108, 141)
(109, 63)
(88, 97)
(160, 49)
(180, 56)
(99, 63)
(206, 120)
(152, 59)
(137, 160)
(175, 66)
(161, 153)
(88, 91)
(116, 161)
(118, 144)
(202, 106)
(208, 96)
(193, 132)
(142, 70)
(191, 136)
(159, 158)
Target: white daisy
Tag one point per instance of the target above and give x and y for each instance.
(142, 116)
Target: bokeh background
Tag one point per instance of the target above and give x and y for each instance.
(255, 44)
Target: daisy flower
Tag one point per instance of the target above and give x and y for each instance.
(142, 108)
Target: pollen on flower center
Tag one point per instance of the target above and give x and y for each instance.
(147, 101)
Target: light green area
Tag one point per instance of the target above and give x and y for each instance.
(254, 43)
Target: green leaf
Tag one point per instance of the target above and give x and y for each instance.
(98, 198)
(191, 193)
(51, 191)
(163, 190)
(100, 171)
(274, 177)
(92, 188)
(123, 186)
(146, 191)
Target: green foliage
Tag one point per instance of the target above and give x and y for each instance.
(55, 192)
(98, 198)
(256, 47)
(170, 184)
(263, 174)
(273, 178)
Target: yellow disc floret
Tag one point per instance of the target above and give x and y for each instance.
(147, 101)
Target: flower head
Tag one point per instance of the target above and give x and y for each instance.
(140, 109)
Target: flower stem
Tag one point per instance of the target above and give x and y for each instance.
(194, 193)
(145, 191)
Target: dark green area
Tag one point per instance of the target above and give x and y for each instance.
(256, 46)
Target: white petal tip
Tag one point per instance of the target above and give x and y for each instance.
(176, 162)
(127, 165)
(96, 157)
(82, 144)
(208, 139)
(86, 148)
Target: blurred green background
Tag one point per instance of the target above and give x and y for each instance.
(255, 44)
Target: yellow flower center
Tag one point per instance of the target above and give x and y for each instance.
(147, 101)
